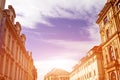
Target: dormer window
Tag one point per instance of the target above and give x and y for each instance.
(105, 20)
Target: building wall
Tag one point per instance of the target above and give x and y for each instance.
(16, 62)
(89, 68)
(109, 24)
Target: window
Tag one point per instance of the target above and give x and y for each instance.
(106, 59)
(105, 20)
(116, 52)
(107, 33)
(112, 57)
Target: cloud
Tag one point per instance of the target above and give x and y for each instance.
(36, 11)
(82, 46)
(94, 32)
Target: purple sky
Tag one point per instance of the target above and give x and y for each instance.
(58, 30)
(63, 29)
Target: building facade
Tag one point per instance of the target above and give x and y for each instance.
(57, 74)
(89, 67)
(109, 25)
(16, 62)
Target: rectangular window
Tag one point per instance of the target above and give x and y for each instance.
(105, 20)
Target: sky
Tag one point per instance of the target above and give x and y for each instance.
(59, 32)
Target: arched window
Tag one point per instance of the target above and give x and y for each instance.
(111, 53)
(113, 76)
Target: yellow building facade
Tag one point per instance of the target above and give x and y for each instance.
(89, 67)
(16, 62)
(109, 25)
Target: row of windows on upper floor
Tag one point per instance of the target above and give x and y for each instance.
(88, 63)
(85, 76)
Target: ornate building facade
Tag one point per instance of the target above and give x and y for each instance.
(57, 74)
(89, 67)
(16, 62)
(109, 24)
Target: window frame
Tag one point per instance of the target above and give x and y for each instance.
(111, 54)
